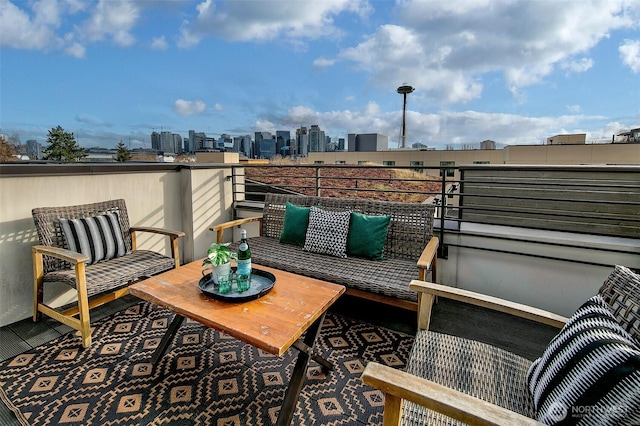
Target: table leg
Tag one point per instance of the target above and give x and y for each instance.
(299, 372)
(166, 339)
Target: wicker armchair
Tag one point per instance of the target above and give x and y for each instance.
(96, 283)
(449, 379)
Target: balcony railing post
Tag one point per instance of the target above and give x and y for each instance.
(443, 253)
(317, 181)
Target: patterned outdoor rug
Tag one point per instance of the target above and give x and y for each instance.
(205, 378)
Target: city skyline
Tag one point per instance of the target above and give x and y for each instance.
(514, 72)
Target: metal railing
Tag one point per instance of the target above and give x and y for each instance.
(599, 200)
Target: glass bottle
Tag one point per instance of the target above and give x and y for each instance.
(244, 255)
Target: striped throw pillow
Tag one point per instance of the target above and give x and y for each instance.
(99, 237)
(589, 373)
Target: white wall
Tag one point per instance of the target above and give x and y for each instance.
(558, 285)
(155, 198)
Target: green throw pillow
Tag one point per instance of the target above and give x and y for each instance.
(367, 236)
(296, 220)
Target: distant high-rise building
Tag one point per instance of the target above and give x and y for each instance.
(317, 142)
(197, 141)
(283, 142)
(178, 147)
(340, 144)
(302, 142)
(259, 136)
(367, 142)
(242, 144)
(225, 143)
(155, 141)
(167, 142)
(268, 148)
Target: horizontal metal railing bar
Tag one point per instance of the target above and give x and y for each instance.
(559, 200)
(604, 216)
(554, 182)
(539, 256)
(531, 202)
(387, 191)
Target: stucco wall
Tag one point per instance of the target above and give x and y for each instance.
(188, 199)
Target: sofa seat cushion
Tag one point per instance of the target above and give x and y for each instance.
(117, 272)
(474, 368)
(389, 277)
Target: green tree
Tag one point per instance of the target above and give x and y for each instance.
(62, 147)
(123, 154)
(7, 151)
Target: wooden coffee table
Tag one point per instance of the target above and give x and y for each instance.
(273, 322)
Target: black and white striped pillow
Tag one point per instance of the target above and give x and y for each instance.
(589, 373)
(98, 237)
(327, 232)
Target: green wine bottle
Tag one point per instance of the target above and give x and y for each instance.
(244, 254)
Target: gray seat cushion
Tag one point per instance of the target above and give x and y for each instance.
(117, 272)
(389, 277)
(477, 369)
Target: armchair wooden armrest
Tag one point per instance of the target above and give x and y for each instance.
(427, 259)
(60, 253)
(219, 229)
(173, 235)
(399, 385)
(428, 291)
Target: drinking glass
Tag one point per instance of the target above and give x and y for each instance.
(244, 282)
(224, 283)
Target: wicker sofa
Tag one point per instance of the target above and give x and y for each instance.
(410, 249)
(452, 380)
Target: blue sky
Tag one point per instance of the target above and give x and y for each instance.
(512, 71)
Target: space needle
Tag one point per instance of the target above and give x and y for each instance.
(404, 90)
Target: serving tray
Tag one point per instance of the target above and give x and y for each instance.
(261, 283)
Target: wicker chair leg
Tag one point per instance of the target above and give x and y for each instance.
(175, 253)
(38, 273)
(392, 410)
(83, 305)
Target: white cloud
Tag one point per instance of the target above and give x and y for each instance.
(577, 66)
(114, 18)
(186, 37)
(76, 49)
(218, 107)
(323, 63)
(575, 109)
(21, 31)
(448, 47)
(630, 54)
(438, 129)
(183, 107)
(270, 19)
(159, 43)
(40, 25)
